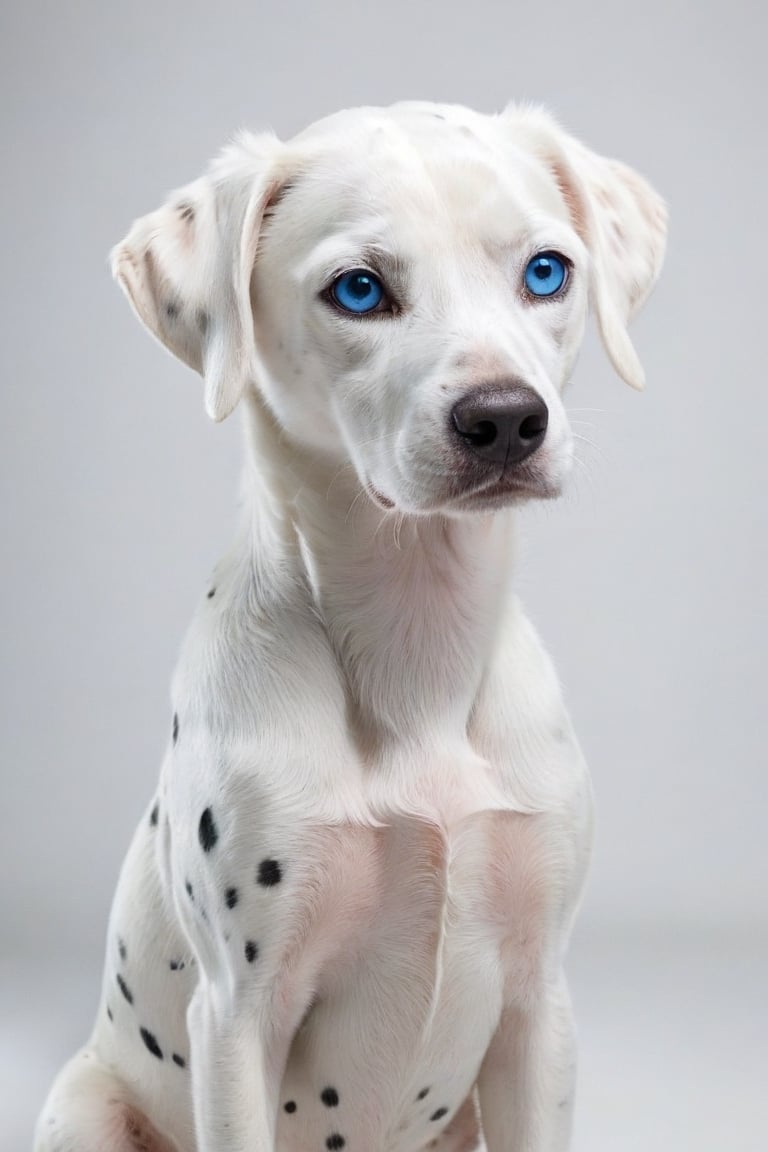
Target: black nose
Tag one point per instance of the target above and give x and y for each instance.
(501, 425)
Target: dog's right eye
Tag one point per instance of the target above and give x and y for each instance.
(359, 292)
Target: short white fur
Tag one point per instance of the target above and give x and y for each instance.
(373, 821)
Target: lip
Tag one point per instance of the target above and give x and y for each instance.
(506, 490)
(379, 499)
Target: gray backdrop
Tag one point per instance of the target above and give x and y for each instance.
(647, 581)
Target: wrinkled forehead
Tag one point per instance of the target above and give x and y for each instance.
(413, 172)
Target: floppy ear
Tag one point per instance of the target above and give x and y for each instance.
(186, 268)
(622, 222)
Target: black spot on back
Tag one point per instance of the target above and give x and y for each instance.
(186, 212)
(124, 988)
(422, 1094)
(270, 873)
(109, 1012)
(121, 948)
(177, 965)
(335, 1141)
(151, 1043)
(329, 1097)
(290, 1106)
(231, 897)
(208, 832)
(179, 1060)
(251, 951)
(175, 727)
(211, 593)
(438, 1115)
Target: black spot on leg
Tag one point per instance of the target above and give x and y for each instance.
(438, 1115)
(207, 831)
(188, 888)
(335, 1141)
(270, 873)
(290, 1106)
(177, 965)
(124, 988)
(203, 320)
(211, 593)
(172, 310)
(422, 1094)
(329, 1097)
(175, 728)
(151, 1043)
(231, 896)
(121, 949)
(153, 816)
(251, 951)
(179, 1060)
(109, 1012)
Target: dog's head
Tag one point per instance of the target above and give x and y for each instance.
(406, 289)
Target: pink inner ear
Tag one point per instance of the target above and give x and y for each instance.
(573, 199)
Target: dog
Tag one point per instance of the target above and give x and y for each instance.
(342, 920)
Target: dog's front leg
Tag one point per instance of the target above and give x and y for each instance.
(526, 1081)
(238, 1052)
(233, 1075)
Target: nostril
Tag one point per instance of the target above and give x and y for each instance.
(482, 433)
(532, 426)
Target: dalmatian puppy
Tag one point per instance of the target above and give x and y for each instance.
(342, 919)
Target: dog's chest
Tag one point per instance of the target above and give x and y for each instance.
(429, 908)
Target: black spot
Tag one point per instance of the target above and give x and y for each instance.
(439, 1114)
(151, 1043)
(175, 727)
(186, 212)
(171, 309)
(124, 988)
(329, 1097)
(422, 1094)
(290, 1106)
(203, 320)
(335, 1141)
(153, 816)
(121, 948)
(179, 1060)
(251, 951)
(270, 873)
(231, 896)
(211, 593)
(177, 965)
(207, 831)
(188, 888)
(109, 1012)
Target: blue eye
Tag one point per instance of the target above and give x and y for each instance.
(358, 291)
(546, 274)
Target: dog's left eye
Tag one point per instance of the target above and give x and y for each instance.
(358, 292)
(546, 274)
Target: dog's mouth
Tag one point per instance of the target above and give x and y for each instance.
(514, 485)
(379, 499)
(467, 494)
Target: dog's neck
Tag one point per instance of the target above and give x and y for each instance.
(411, 605)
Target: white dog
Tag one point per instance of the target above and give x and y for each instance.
(342, 920)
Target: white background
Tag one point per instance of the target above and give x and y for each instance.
(647, 581)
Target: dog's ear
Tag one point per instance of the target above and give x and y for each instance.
(621, 220)
(186, 268)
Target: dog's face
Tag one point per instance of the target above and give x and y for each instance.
(407, 288)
